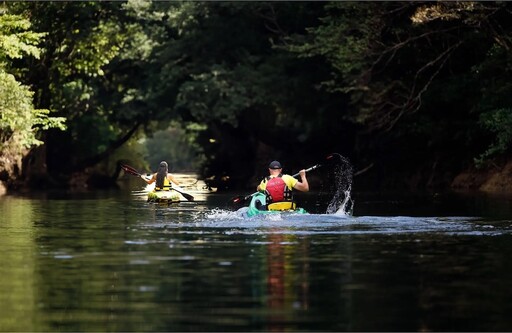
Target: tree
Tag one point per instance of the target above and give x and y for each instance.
(20, 122)
(254, 99)
(419, 75)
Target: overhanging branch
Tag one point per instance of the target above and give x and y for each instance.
(92, 160)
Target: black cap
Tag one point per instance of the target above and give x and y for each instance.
(274, 165)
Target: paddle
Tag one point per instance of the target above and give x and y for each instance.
(128, 169)
(242, 198)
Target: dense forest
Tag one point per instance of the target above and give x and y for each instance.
(416, 94)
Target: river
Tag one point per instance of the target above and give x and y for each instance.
(109, 261)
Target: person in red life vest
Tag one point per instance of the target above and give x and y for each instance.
(278, 187)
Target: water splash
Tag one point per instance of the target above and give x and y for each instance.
(345, 208)
(341, 202)
(221, 214)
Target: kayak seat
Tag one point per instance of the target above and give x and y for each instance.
(259, 205)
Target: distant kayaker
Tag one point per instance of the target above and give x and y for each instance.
(162, 178)
(278, 187)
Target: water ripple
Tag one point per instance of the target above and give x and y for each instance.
(230, 222)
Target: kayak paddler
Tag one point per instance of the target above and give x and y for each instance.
(162, 178)
(278, 187)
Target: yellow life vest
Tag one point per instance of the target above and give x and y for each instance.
(167, 186)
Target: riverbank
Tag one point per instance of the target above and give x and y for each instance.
(495, 179)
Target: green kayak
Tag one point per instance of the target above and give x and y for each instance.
(259, 200)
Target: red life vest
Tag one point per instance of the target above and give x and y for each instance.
(277, 190)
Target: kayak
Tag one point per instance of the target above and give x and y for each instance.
(260, 199)
(166, 197)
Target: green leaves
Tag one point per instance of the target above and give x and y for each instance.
(498, 122)
(89, 54)
(255, 74)
(217, 95)
(19, 121)
(16, 39)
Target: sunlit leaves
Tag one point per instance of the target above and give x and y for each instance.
(468, 12)
(90, 53)
(19, 121)
(16, 38)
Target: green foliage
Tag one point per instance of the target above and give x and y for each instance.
(342, 40)
(89, 53)
(435, 66)
(261, 78)
(385, 56)
(498, 122)
(80, 50)
(493, 106)
(19, 121)
(16, 38)
(92, 133)
(219, 95)
(85, 76)
(177, 146)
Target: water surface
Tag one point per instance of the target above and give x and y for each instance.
(109, 261)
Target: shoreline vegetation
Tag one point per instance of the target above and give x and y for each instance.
(496, 180)
(417, 95)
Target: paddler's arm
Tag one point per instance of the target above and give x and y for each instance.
(303, 185)
(172, 179)
(149, 180)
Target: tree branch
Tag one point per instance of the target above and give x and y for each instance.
(92, 160)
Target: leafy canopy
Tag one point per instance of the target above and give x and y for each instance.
(20, 122)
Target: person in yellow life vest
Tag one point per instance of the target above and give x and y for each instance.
(278, 187)
(162, 178)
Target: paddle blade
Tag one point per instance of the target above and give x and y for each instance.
(238, 200)
(334, 156)
(187, 196)
(128, 169)
(180, 190)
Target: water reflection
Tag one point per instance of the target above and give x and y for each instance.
(287, 280)
(276, 282)
(18, 292)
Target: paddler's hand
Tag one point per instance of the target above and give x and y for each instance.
(303, 184)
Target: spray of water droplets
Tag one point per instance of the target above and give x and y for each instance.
(341, 203)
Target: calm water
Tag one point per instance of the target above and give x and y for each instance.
(108, 261)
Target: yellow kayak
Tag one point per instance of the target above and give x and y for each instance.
(164, 196)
